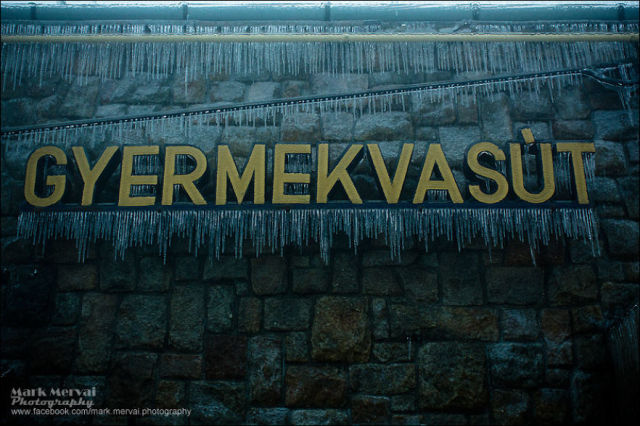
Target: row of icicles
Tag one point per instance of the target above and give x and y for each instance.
(37, 61)
(270, 113)
(314, 28)
(192, 122)
(275, 229)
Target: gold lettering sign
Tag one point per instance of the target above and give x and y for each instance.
(57, 181)
(576, 149)
(90, 175)
(435, 156)
(280, 177)
(227, 169)
(391, 188)
(497, 177)
(128, 179)
(327, 179)
(186, 180)
(549, 186)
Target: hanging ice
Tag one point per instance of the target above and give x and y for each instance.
(113, 60)
(275, 229)
(187, 121)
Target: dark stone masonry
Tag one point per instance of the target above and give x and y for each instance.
(440, 337)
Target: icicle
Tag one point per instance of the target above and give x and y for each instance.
(626, 92)
(145, 165)
(297, 163)
(589, 167)
(437, 195)
(562, 170)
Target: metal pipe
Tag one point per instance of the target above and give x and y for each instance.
(322, 11)
(483, 11)
(306, 38)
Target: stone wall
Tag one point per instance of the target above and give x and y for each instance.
(441, 337)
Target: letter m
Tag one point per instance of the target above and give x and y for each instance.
(227, 170)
